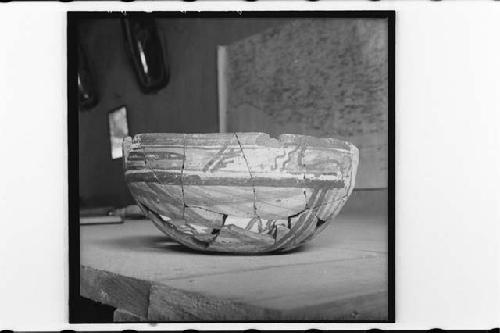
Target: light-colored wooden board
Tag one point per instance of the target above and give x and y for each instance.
(123, 316)
(222, 87)
(342, 274)
(104, 219)
(294, 288)
(119, 291)
(172, 304)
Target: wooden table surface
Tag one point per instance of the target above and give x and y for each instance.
(340, 275)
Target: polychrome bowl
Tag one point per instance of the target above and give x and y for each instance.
(239, 192)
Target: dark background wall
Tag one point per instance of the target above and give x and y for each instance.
(188, 104)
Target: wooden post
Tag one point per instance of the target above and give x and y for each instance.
(222, 86)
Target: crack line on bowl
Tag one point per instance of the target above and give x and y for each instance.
(182, 176)
(302, 153)
(251, 177)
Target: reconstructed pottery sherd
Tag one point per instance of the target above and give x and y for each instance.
(239, 192)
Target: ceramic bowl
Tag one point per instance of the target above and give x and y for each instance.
(239, 192)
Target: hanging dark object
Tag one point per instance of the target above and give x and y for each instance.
(87, 93)
(146, 52)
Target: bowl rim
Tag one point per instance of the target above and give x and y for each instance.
(243, 138)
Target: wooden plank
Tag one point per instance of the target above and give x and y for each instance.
(292, 288)
(104, 219)
(116, 290)
(171, 304)
(230, 300)
(222, 86)
(366, 307)
(123, 316)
